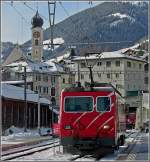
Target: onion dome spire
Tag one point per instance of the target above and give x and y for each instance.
(37, 21)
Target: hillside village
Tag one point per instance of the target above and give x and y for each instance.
(39, 82)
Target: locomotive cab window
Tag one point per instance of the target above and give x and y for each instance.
(103, 103)
(78, 104)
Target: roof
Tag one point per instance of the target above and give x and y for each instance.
(108, 55)
(16, 82)
(13, 92)
(41, 67)
(15, 54)
(88, 89)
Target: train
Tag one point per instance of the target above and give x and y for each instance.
(91, 117)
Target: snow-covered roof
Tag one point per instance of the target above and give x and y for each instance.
(14, 92)
(109, 55)
(54, 66)
(41, 67)
(16, 82)
(59, 58)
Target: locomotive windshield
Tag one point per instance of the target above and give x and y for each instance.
(78, 104)
(103, 104)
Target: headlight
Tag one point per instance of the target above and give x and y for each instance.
(67, 127)
(106, 127)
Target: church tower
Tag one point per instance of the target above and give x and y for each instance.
(37, 38)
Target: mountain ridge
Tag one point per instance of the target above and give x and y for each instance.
(106, 22)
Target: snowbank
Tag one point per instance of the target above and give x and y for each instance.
(14, 133)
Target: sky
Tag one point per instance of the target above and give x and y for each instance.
(16, 17)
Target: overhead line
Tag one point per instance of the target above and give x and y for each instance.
(18, 13)
(34, 10)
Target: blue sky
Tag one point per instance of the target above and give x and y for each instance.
(16, 19)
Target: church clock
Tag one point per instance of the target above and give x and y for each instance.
(36, 34)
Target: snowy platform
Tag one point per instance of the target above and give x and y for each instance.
(19, 138)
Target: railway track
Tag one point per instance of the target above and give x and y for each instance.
(96, 155)
(28, 151)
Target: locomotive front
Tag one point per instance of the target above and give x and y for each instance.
(88, 118)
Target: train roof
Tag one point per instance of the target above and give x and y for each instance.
(88, 89)
(97, 87)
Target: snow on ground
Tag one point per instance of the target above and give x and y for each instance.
(57, 154)
(14, 134)
(120, 15)
(55, 41)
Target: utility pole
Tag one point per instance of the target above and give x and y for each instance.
(39, 120)
(141, 107)
(51, 10)
(25, 99)
(79, 84)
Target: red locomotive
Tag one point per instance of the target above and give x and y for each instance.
(91, 117)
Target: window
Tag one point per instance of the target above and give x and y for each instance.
(146, 80)
(36, 52)
(36, 42)
(39, 77)
(69, 80)
(63, 80)
(36, 77)
(99, 64)
(47, 90)
(103, 104)
(108, 75)
(52, 91)
(117, 75)
(140, 66)
(108, 63)
(128, 64)
(40, 89)
(53, 80)
(99, 75)
(82, 76)
(117, 63)
(44, 89)
(78, 104)
(83, 65)
(45, 78)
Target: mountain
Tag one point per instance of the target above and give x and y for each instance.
(115, 22)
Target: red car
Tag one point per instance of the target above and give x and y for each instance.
(91, 118)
